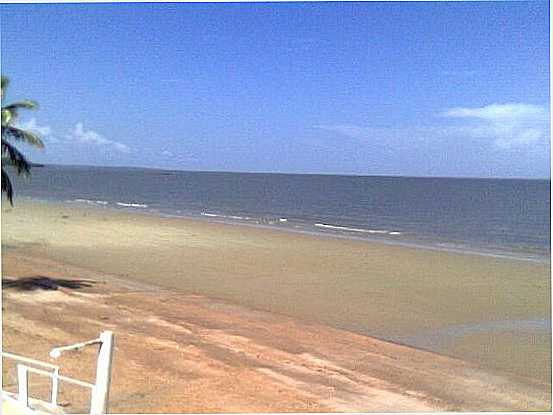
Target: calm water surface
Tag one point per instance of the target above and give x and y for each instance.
(498, 216)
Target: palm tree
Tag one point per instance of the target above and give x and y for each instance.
(10, 133)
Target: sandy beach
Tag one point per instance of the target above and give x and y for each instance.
(234, 319)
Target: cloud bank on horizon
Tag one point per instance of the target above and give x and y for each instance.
(82, 136)
(77, 137)
(507, 125)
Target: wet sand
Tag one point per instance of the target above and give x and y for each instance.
(390, 292)
(178, 353)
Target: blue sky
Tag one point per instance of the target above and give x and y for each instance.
(424, 89)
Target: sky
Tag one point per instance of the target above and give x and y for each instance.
(370, 88)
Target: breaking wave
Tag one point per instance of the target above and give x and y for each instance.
(135, 205)
(91, 202)
(360, 230)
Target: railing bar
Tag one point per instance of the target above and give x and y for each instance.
(56, 351)
(28, 360)
(39, 371)
(76, 382)
(60, 377)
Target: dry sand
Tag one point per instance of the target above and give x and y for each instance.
(221, 318)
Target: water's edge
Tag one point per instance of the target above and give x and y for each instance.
(289, 225)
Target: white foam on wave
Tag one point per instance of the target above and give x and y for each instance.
(91, 202)
(283, 220)
(211, 215)
(135, 205)
(345, 228)
(214, 215)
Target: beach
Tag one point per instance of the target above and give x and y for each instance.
(298, 207)
(350, 318)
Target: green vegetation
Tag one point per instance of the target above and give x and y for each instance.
(11, 156)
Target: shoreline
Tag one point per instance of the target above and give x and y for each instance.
(456, 248)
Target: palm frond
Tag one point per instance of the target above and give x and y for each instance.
(6, 117)
(11, 156)
(13, 109)
(7, 186)
(27, 104)
(4, 84)
(11, 132)
(15, 158)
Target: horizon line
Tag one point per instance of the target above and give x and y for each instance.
(295, 173)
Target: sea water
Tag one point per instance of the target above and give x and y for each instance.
(505, 217)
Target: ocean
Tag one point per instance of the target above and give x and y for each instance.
(503, 217)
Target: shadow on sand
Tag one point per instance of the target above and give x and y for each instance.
(40, 282)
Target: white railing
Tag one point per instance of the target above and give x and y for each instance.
(100, 390)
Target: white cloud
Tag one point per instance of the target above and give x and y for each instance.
(500, 112)
(381, 134)
(80, 135)
(166, 153)
(44, 132)
(122, 147)
(508, 125)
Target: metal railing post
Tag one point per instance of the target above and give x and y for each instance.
(55, 385)
(100, 392)
(23, 384)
